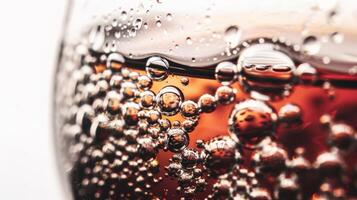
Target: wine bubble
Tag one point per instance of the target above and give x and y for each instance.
(169, 100)
(177, 139)
(220, 155)
(251, 121)
(157, 68)
(226, 73)
(207, 103)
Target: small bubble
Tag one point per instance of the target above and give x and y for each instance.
(147, 99)
(226, 73)
(270, 159)
(290, 114)
(169, 100)
(189, 109)
(177, 140)
(207, 103)
(117, 34)
(225, 95)
(115, 61)
(306, 72)
(130, 112)
(132, 32)
(112, 102)
(156, 68)
(220, 155)
(251, 121)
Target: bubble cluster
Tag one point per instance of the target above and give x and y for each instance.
(126, 125)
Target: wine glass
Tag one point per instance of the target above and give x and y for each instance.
(208, 99)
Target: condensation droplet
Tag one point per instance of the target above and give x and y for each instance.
(188, 40)
(137, 23)
(311, 45)
(232, 36)
(97, 37)
(158, 23)
(337, 37)
(169, 16)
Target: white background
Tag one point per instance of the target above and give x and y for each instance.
(29, 36)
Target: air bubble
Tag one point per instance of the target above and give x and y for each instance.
(115, 61)
(177, 140)
(137, 23)
(266, 70)
(169, 100)
(226, 73)
(144, 82)
(157, 68)
(270, 159)
(225, 95)
(220, 155)
(251, 121)
(189, 109)
(147, 99)
(184, 81)
(207, 103)
(130, 112)
(123, 15)
(306, 73)
(112, 102)
(158, 23)
(290, 114)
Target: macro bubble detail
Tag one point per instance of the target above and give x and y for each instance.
(169, 100)
(157, 68)
(177, 139)
(220, 155)
(251, 121)
(266, 70)
(226, 73)
(207, 103)
(225, 95)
